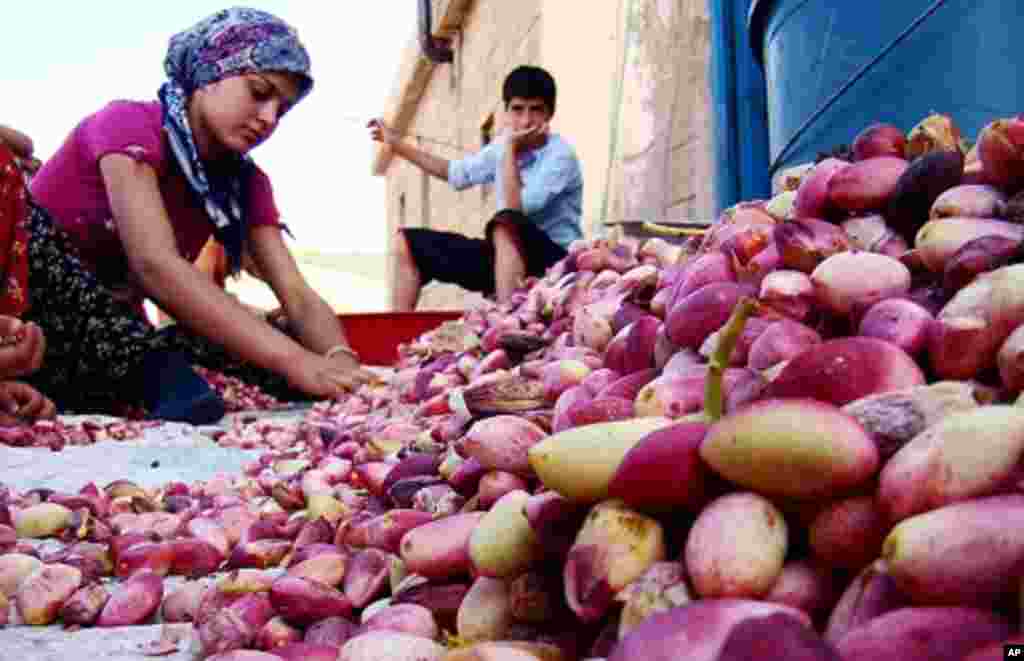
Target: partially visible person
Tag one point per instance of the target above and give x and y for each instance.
(538, 190)
(22, 345)
(123, 208)
(21, 353)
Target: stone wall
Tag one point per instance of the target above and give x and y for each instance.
(664, 162)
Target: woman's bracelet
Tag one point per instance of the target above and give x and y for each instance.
(342, 348)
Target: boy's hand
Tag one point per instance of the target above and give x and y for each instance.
(529, 138)
(381, 132)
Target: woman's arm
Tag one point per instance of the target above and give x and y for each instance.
(315, 322)
(180, 288)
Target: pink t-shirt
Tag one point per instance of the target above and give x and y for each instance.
(70, 186)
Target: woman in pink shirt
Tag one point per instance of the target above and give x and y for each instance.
(123, 208)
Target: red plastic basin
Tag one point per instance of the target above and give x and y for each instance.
(375, 336)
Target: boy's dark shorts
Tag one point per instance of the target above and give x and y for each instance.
(469, 263)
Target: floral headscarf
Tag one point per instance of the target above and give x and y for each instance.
(231, 42)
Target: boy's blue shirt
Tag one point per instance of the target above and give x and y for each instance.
(552, 193)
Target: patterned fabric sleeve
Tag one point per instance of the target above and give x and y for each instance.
(14, 293)
(475, 169)
(124, 127)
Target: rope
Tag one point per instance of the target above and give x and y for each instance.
(407, 134)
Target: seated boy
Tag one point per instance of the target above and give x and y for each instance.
(538, 190)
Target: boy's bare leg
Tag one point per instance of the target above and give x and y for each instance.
(406, 283)
(509, 265)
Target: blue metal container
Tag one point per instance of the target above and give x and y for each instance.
(832, 67)
(740, 121)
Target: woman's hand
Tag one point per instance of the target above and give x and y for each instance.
(348, 362)
(327, 377)
(20, 402)
(21, 347)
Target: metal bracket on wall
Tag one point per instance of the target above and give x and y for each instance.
(437, 49)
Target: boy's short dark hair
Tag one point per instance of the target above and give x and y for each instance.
(528, 82)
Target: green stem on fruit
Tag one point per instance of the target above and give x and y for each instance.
(714, 401)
